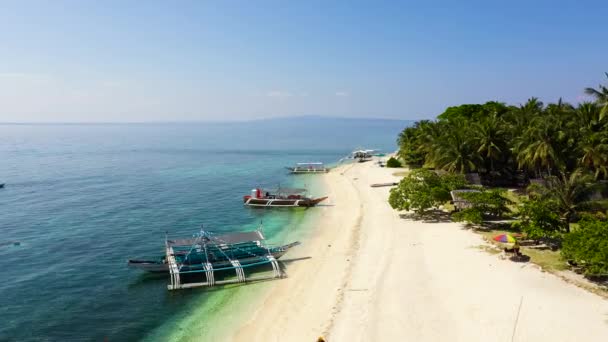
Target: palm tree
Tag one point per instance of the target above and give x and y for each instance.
(601, 97)
(519, 118)
(489, 136)
(594, 149)
(430, 133)
(570, 192)
(409, 141)
(455, 151)
(538, 146)
(587, 117)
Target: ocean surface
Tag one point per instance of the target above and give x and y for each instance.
(82, 199)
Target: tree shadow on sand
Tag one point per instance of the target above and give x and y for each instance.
(429, 216)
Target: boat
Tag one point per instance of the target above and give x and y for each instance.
(282, 197)
(303, 168)
(362, 155)
(208, 253)
(1, 185)
(379, 185)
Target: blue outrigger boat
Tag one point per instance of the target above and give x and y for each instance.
(208, 253)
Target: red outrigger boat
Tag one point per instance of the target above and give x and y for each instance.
(283, 197)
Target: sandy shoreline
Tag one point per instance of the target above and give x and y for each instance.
(367, 274)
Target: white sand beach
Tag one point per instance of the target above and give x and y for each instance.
(373, 276)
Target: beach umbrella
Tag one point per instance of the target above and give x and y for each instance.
(506, 238)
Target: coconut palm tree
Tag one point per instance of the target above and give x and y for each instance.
(571, 193)
(594, 149)
(538, 148)
(490, 139)
(601, 97)
(455, 150)
(409, 141)
(430, 133)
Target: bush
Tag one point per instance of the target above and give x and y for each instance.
(588, 246)
(423, 189)
(483, 203)
(393, 162)
(539, 218)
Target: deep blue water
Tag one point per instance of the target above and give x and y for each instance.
(81, 199)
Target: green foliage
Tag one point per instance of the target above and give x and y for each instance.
(497, 140)
(601, 97)
(539, 218)
(423, 189)
(588, 246)
(565, 145)
(410, 144)
(492, 203)
(456, 151)
(569, 192)
(473, 111)
(469, 215)
(393, 162)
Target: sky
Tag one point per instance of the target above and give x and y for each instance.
(134, 61)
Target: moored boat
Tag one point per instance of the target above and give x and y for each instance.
(363, 155)
(208, 253)
(282, 197)
(307, 168)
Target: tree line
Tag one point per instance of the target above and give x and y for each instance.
(558, 152)
(502, 142)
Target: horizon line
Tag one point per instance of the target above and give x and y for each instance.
(196, 121)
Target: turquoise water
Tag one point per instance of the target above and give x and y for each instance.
(82, 199)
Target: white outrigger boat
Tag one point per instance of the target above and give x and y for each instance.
(307, 168)
(362, 155)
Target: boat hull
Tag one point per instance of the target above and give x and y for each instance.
(297, 171)
(283, 202)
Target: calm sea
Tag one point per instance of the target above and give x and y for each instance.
(82, 199)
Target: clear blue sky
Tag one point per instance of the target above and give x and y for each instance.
(232, 60)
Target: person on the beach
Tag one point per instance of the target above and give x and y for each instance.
(516, 248)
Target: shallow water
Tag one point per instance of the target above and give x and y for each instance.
(81, 199)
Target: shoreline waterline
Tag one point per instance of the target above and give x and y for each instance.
(374, 275)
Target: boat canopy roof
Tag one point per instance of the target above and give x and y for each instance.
(312, 163)
(211, 238)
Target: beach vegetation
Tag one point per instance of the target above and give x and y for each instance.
(411, 141)
(422, 190)
(557, 153)
(511, 144)
(393, 162)
(568, 194)
(483, 204)
(538, 218)
(601, 96)
(587, 246)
